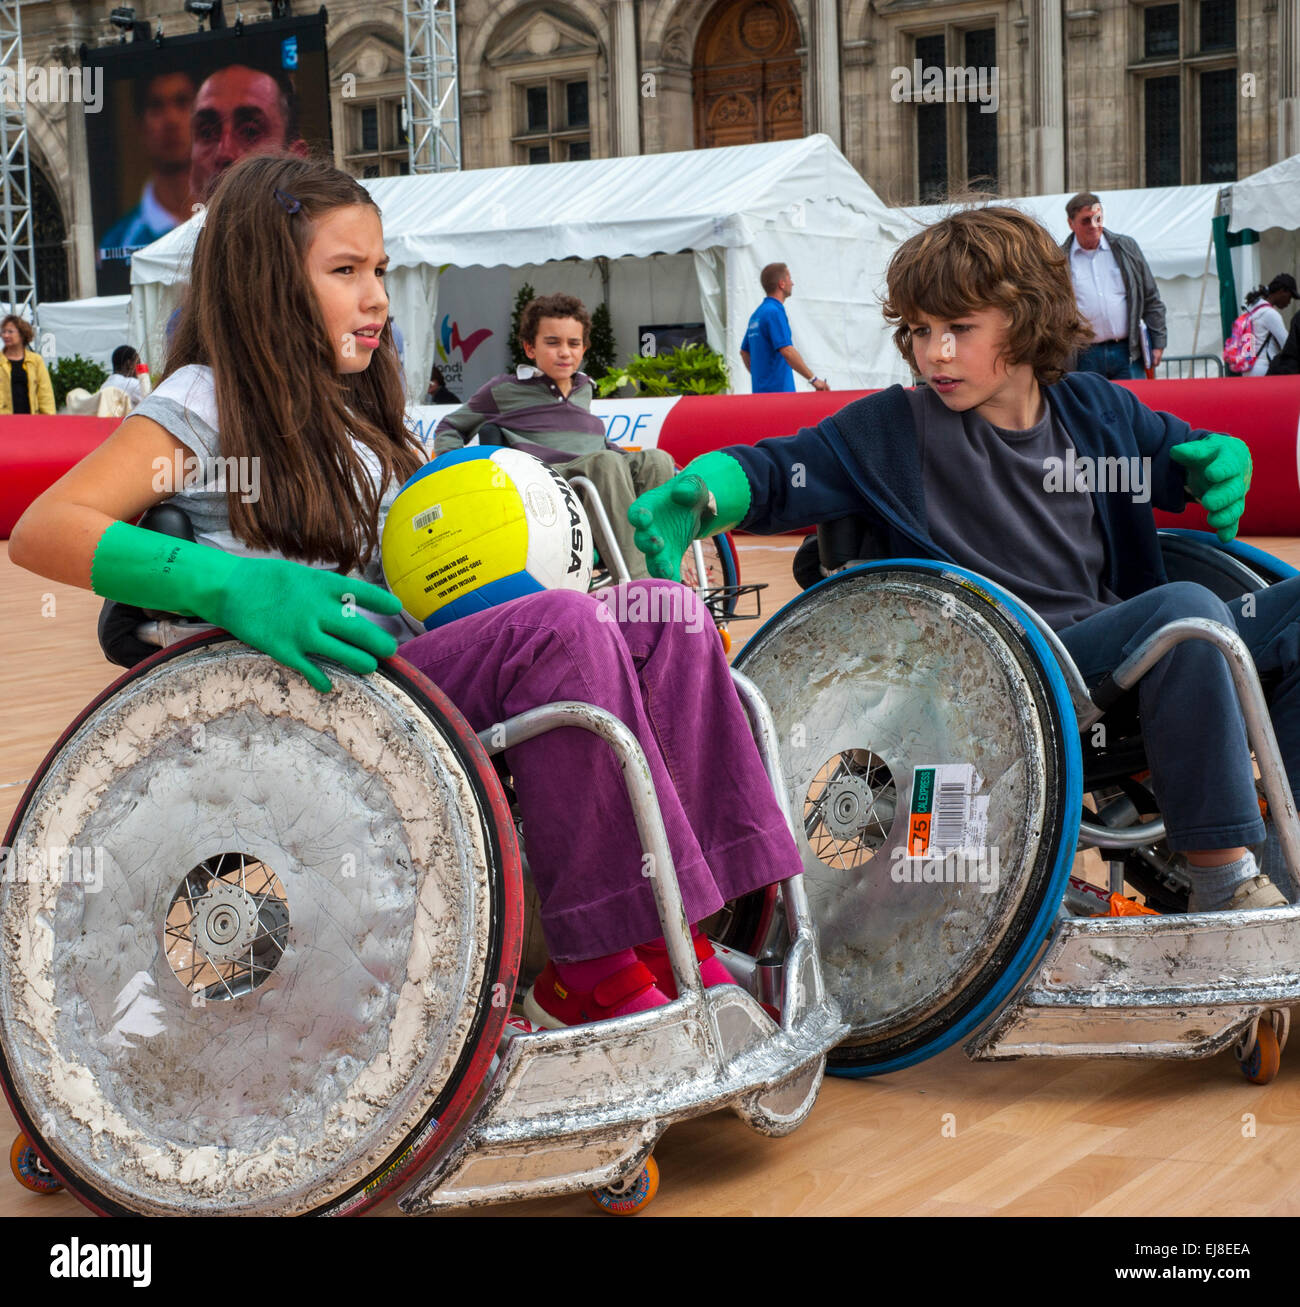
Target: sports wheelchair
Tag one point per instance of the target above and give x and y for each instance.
(920, 706)
(288, 989)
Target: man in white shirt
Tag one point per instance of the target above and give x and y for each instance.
(1116, 293)
(125, 376)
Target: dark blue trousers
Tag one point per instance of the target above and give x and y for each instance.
(1111, 359)
(1191, 723)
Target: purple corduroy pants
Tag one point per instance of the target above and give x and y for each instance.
(648, 652)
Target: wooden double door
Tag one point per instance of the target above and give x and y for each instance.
(747, 77)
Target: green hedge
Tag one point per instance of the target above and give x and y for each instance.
(69, 373)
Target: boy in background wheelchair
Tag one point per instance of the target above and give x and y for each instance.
(1044, 481)
(545, 410)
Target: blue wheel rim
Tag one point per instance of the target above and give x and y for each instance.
(1268, 566)
(1035, 933)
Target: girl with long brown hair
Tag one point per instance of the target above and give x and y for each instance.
(283, 369)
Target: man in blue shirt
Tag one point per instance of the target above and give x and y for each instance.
(768, 351)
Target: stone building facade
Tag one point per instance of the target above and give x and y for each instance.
(926, 98)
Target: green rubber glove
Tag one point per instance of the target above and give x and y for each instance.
(670, 516)
(295, 613)
(1218, 474)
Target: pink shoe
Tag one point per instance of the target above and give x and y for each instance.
(655, 956)
(550, 1003)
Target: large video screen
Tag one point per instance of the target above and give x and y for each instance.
(175, 115)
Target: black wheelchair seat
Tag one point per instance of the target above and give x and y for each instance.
(118, 622)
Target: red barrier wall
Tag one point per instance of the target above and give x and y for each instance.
(36, 451)
(1264, 412)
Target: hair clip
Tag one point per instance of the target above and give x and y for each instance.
(291, 204)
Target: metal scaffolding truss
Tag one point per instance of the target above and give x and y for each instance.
(432, 85)
(17, 259)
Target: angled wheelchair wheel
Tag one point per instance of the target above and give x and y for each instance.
(1230, 569)
(260, 942)
(920, 713)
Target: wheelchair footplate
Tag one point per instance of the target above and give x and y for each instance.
(581, 1108)
(1180, 986)
(723, 602)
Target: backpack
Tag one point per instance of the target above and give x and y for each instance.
(1242, 347)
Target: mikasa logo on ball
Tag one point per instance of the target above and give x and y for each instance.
(577, 536)
(541, 504)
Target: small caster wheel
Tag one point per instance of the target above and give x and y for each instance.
(29, 1170)
(1260, 1057)
(630, 1197)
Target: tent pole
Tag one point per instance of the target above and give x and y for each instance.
(1200, 303)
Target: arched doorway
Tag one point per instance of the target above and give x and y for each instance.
(49, 239)
(747, 79)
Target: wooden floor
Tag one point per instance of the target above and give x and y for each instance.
(1047, 1138)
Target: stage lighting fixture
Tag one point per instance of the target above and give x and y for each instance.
(209, 9)
(124, 19)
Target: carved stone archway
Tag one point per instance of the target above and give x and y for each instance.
(747, 77)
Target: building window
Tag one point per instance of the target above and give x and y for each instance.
(931, 131)
(1161, 121)
(539, 120)
(1219, 125)
(376, 138)
(981, 127)
(49, 238)
(1160, 37)
(558, 112)
(1189, 99)
(1218, 25)
(956, 116)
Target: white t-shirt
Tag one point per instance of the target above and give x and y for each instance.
(1270, 336)
(185, 404)
(129, 384)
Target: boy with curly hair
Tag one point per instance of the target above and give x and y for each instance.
(966, 469)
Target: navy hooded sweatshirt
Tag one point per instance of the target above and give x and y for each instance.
(863, 461)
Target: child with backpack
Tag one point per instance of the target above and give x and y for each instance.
(1258, 334)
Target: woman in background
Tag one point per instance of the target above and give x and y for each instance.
(25, 385)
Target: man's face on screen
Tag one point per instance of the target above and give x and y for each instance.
(167, 108)
(238, 111)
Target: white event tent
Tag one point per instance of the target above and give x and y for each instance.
(1171, 224)
(1268, 202)
(680, 237)
(93, 328)
(700, 223)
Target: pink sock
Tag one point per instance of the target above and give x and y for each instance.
(584, 976)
